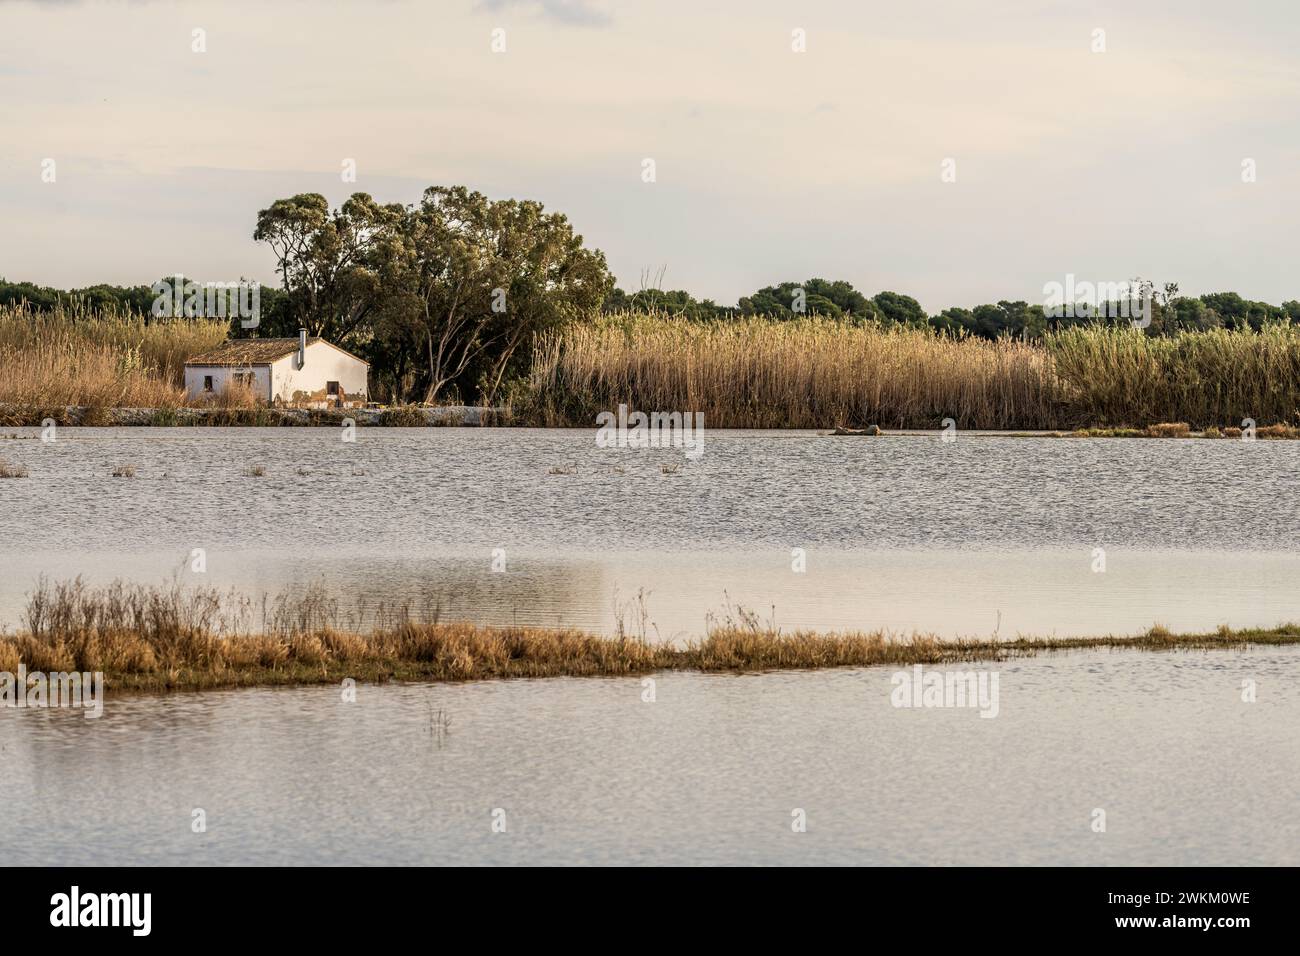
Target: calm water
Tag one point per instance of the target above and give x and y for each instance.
(981, 536)
(710, 772)
(984, 536)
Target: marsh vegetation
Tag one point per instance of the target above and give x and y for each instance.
(818, 373)
(155, 638)
(749, 372)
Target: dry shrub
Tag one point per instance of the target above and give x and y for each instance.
(1276, 431)
(1169, 430)
(402, 416)
(232, 395)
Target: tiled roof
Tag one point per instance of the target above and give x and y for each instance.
(248, 352)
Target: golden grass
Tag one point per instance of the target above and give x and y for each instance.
(809, 373)
(171, 638)
(818, 373)
(72, 358)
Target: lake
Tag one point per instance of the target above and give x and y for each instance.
(984, 536)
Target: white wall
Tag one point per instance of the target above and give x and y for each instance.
(306, 386)
(194, 375)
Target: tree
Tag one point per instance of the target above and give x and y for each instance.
(814, 297)
(673, 302)
(1231, 308)
(475, 279)
(547, 276)
(899, 309)
(329, 261)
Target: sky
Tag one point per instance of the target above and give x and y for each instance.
(957, 152)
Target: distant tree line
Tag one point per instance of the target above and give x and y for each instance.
(1170, 311)
(444, 297)
(134, 300)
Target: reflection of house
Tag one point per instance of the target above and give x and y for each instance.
(309, 373)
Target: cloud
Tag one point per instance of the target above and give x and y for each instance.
(574, 13)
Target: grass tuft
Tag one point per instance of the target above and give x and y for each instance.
(12, 471)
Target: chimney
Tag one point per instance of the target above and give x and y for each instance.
(302, 347)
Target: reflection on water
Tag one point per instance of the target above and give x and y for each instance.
(671, 596)
(710, 772)
(986, 535)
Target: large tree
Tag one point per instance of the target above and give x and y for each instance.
(329, 261)
(476, 279)
(441, 296)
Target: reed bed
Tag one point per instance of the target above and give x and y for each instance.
(821, 373)
(152, 638)
(756, 373)
(742, 373)
(1121, 376)
(69, 357)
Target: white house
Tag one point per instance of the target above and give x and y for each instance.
(303, 372)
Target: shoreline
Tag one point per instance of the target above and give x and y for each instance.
(74, 416)
(86, 416)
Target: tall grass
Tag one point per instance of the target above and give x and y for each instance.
(72, 357)
(170, 637)
(744, 373)
(756, 373)
(816, 373)
(1110, 376)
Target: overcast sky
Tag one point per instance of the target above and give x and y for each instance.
(770, 164)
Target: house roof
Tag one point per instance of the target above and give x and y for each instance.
(256, 352)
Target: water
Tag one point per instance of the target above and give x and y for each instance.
(985, 536)
(710, 772)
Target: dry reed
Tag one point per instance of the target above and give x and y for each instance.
(171, 638)
(69, 357)
(755, 373)
(818, 373)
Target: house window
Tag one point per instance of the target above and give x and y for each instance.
(332, 388)
(207, 383)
